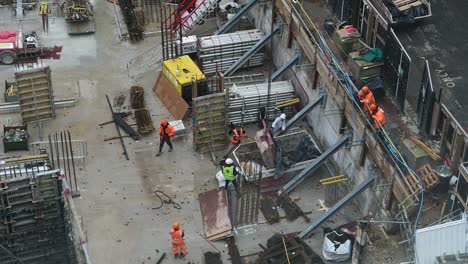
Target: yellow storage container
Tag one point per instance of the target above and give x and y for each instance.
(180, 72)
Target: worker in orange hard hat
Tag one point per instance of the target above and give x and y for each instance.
(178, 242)
(378, 115)
(166, 131)
(366, 97)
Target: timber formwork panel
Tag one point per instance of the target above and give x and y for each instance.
(210, 122)
(32, 221)
(35, 94)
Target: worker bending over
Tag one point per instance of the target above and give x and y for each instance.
(230, 173)
(366, 97)
(279, 124)
(166, 131)
(238, 133)
(178, 242)
(378, 115)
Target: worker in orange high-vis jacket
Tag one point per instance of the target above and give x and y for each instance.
(238, 133)
(366, 97)
(178, 242)
(166, 131)
(378, 115)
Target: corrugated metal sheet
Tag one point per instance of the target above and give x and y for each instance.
(448, 238)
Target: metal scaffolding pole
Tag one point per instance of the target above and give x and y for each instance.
(312, 166)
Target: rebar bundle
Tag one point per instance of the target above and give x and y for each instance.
(219, 52)
(137, 99)
(135, 30)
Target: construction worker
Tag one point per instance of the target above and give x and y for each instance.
(230, 173)
(378, 115)
(238, 133)
(44, 11)
(178, 242)
(279, 124)
(166, 131)
(366, 97)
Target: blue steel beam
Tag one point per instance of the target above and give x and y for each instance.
(357, 190)
(234, 19)
(307, 171)
(283, 68)
(299, 116)
(250, 53)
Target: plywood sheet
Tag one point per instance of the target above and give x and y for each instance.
(168, 95)
(214, 212)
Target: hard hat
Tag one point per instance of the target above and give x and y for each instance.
(373, 107)
(229, 161)
(283, 116)
(176, 225)
(365, 89)
(164, 122)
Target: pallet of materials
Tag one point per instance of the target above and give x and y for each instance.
(35, 94)
(220, 52)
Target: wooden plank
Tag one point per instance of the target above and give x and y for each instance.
(214, 212)
(405, 7)
(170, 98)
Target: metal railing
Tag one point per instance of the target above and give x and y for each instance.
(30, 11)
(148, 60)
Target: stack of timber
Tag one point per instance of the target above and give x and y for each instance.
(35, 94)
(245, 101)
(219, 52)
(403, 5)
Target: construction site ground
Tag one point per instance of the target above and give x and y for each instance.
(117, 198)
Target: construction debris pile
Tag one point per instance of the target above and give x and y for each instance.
(287, 156)
(245, 101)
(219, 52)
(16, 135)
(77, 10)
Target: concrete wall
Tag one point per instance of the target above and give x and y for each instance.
(325, 121)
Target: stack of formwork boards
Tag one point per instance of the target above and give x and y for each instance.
(218, 53)
(245, 101)
(35, 94)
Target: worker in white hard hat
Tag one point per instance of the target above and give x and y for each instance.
(230, 173)
(279, 124)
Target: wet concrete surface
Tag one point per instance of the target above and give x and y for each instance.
(117, 196)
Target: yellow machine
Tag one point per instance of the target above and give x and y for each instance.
(180, 72)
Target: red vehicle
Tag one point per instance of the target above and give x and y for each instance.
(14, 45)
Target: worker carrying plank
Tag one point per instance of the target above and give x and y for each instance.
(178, 242)
(378, 115)
(166, 131)
(237, 134)
(366, 97)
(279, 124)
